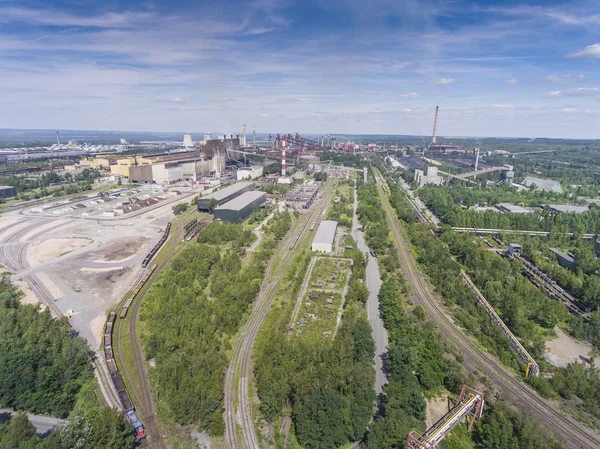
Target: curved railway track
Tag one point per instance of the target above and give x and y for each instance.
(568, 430)
(242, 355)
(140, 389)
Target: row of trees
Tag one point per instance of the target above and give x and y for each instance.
(453, 207)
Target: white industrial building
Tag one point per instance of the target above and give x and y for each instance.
(431, 177)
(323, 241)
(253, 172)
(187, 140)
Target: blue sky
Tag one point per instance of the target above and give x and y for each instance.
(313, 66)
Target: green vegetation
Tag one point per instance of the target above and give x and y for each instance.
(180, 208)
(451, 205)
(582, 283)
(349, 160)
(191, 314)
(325, 386)
(41, 367)
(44, 369)
(47, 184)
(342, 209)
(100, 429)
(528, 312)
(418, 363)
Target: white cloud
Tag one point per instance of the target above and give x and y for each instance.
(569, 110)
(57, 18)
(511, 82)
(445, 81)
(504, 106)
(591, 51)
(579, 92)
(410, 95)
(176, 99)
(563, 79)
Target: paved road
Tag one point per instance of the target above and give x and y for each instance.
(379, 332)
(42, 423)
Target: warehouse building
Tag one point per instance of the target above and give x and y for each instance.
(564, 260)
(249, 172)
(8, 192)
(227, 194)
(323, 241)
(239, 208)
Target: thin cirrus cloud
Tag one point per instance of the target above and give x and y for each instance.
(591, 51)
(563, 79)
(511, 82)
(410, 95)
(445, 81)
(579, 92)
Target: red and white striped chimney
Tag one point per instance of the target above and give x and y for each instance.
(283, 156)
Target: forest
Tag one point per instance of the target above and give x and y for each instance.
(342, 209)
(528, 312)
(42, 365)
(192, 312)
(45, 369)
(451, 205)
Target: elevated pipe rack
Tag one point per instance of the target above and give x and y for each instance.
(470, 403)
(532, 367)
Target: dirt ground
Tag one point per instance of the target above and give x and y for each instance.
(52, 248)
(118, 251)
(436, 408)
(564, 349)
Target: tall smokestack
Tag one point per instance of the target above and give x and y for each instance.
(57, 137)
(244, 135)
(253, 136)
(283, 173)
(434, 139)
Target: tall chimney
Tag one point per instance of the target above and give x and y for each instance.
(57, 137)
(283, 173)
(254, 136)
(434, 139)
(244, 135)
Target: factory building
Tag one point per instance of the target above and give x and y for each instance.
(514, 209)
(253, 172)
(431, 177)
(323, 241)
(8, 192)
(549, 185)
(568, 208)
(239, 208)
(227, 194)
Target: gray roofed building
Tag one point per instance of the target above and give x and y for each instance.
(564, 260)
(568, 208)
(226, 194)
(240, 207)
(324, 237)
(549, 185)
(513, 208)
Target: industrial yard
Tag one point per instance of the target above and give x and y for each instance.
(318, 309)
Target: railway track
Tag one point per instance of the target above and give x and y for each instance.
(13, 258)
(139, 384)
(242, 355)
(568, 430)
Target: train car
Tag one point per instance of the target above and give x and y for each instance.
(112, 366)
(128, 303)
(126, 401)
(108, 328)
(107, 340)
(118, 382)
(108, 353)
(140, 432)
(160, 243)
(189, 225)
(123, 313)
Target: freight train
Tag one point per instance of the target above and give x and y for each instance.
(135, 291)
(160, 243)
(140, 432)
(116, 378)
